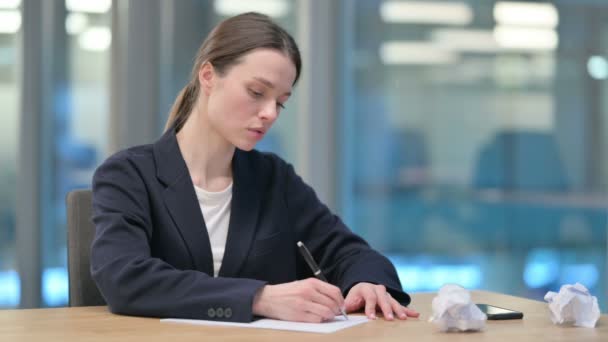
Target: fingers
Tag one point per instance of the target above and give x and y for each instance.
(326, 294)
(401, 311)
(411, 312)
(370, 302)
(309, 317)
(384, 302)
(322, 299)
(398, 309)
(307, 311)
(364, 292)
(320, 312)
(353, 302)
(376, 296)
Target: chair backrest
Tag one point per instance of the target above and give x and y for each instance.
(83, 290)
(521, 160)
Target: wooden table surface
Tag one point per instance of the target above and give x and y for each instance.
(97, 324)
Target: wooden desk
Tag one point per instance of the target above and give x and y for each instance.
(97, 324)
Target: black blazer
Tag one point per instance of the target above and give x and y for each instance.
(151, 254)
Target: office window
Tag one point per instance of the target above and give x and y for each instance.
(76, 134)
(9, 121)
(473, 141)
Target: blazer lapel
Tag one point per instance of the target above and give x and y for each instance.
(181, 201)
(244, 213)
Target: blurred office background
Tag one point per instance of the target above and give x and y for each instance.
(467, 140)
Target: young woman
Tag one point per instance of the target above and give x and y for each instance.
(200, 225)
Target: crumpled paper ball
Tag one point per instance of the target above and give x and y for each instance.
(573, 304)
(454, 310)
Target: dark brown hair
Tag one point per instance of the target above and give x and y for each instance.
(223, 48)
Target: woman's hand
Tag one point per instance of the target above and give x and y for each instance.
(372, 296)
(309, 300)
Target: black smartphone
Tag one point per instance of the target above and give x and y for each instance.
(495, 312)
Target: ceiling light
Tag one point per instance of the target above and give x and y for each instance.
(526, 14)
(469, 40)
(75, 23)
(272, 8)
(10, 21)
(415, 52)
(95, 39)
(426, 12)
(597, 66)
(88, 6)
(10, 4)
(512, 37)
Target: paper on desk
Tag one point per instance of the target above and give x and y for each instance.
(453, 309)
(338, 323)
(573, 304)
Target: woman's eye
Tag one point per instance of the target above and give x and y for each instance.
(280, 105)
(255, 94)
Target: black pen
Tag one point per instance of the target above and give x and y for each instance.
(315, 268)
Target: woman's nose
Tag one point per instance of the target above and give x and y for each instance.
(269, 112)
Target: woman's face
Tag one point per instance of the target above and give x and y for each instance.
(244, 103)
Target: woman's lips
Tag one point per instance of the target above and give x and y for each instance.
(256, 133)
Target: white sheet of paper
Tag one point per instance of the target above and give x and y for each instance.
(338, 323)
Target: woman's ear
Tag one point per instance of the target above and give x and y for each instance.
(206, 77)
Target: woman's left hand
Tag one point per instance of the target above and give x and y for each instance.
(372, 296)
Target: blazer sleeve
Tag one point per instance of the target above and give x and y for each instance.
(345, 258)
(135, 283)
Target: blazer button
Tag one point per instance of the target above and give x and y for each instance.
(211, 312)
(219, 312)
(227, 312)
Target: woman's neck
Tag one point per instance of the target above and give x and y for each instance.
(207, 154)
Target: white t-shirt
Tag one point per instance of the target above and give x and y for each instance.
(216, 212)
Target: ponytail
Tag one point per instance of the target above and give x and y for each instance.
(182, 107)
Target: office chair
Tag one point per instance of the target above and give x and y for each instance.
(83, 290)
(519, 160)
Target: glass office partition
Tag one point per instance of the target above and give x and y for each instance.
(473, 141)
(75, 138)
(10, 29)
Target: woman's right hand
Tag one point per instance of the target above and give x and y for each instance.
(309, 300)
